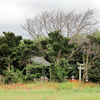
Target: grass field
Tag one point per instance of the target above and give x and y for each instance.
(50, 91)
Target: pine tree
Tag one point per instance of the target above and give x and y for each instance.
(8, 43)
(57, 47)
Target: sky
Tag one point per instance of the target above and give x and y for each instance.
(14, 12)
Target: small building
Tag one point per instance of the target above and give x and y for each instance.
(40, 60)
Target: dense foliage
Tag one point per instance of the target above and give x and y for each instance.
(16, 64)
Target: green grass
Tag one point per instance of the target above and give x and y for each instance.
(50, 91)
(49, 95)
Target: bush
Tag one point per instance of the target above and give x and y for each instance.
(35, 70)
(14, 76)
(59, 71)
(94, 72)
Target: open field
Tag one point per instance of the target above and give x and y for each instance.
(50, 91)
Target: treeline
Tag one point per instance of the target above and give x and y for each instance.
(63, 54)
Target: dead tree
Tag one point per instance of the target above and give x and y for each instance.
(70, 23)
(88, 48)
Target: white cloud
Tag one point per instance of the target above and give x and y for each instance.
(14, 12)
(10, 13)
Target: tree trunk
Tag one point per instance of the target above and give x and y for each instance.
(85, 68)
(26, 68)
(58, 56)
(9, 63)
(27, 71)
(43, 72)
(50, 73)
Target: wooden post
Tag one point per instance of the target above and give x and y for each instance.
(80, 68)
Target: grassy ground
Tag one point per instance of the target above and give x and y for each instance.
(48, 95)
(50, 91)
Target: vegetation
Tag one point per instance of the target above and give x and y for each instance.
(61, 38)
(16, 65)
(51, 91)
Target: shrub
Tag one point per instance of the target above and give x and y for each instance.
(59, 71)
(14, 76)
(94, 72)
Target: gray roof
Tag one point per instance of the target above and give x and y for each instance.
(40, 60)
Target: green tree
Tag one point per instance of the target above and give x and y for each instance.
(25, 51)
(8, 44)
(94, 72)
(91, 51)
(56, 47)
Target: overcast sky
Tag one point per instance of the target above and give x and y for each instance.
(14, 12)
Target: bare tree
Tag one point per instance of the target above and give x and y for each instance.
(90, 50)
(70, 23)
